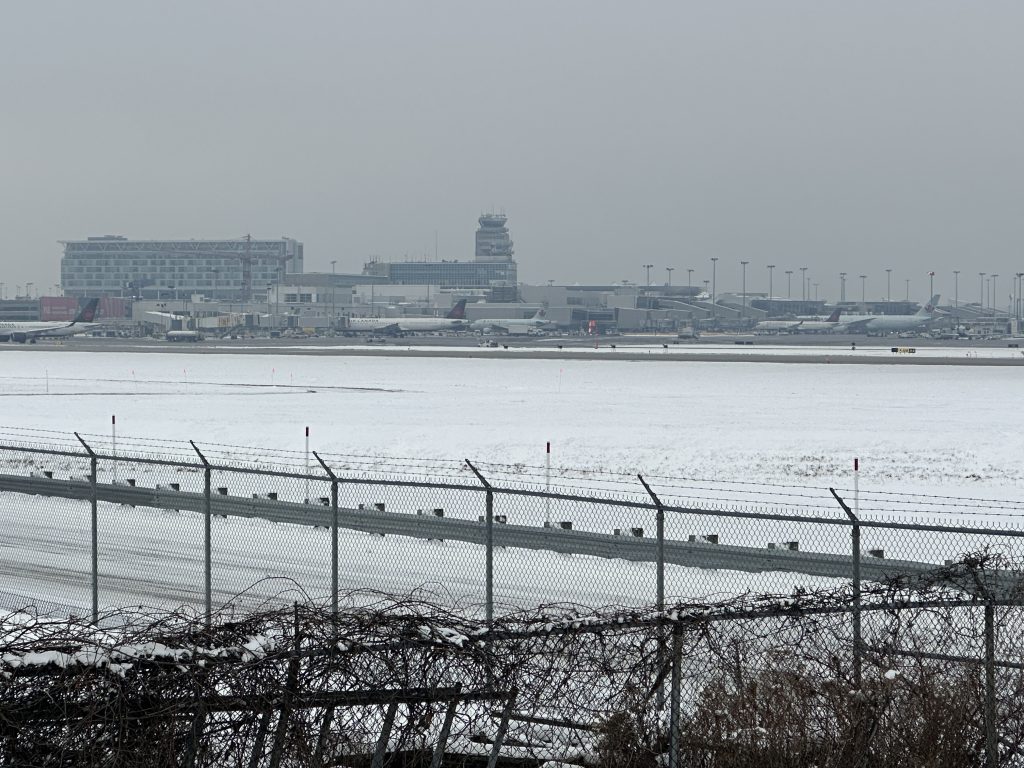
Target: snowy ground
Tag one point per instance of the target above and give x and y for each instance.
(936, 442)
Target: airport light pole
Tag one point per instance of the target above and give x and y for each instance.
(842, 287)
(956, 288)
(1016, 309)
(803, 283)
(981, 291)
(863, 288)
(994, 296)
(816, 291)
(789, 284)
(888, 286)
(714, 286)
(908, 289)
(689, 278)
(334, 307)
(669, 270)
(648, 268)
(931, 285)
(771, 295)
(744, 265)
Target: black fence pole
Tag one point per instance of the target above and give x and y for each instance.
(991, 728)
(93, 466)
(660, 518)
(675, 697)
(489, 546)
(659, 582)
(334, 541)
(207, 536)
(855, 545)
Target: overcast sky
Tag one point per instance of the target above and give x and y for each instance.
(839, 136)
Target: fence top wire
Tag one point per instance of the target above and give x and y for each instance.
(678, 490)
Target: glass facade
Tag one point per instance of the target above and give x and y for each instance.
(493, 241)
(117, 266)
(446, 274)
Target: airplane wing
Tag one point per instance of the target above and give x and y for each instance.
(855, 326)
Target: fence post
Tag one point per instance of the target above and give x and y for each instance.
(489, 546)
(660, 517)
(991, 729)
(207, 537)
(95, 530)
(855, 544)
(660, 587)
(675, 696)
(334, 543)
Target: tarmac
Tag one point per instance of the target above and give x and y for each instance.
(836, 350)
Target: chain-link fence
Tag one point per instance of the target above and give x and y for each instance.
(704, 629)
(91, 528)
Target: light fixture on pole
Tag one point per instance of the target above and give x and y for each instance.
(648, 268)
(771, 295)
(789, 284)
(931, 284)
(994, 296)
(803, 283)
(956, 288)
(981, 291)
(863, 288)
(888, 286)
(842, 286)
(669, 270)
(689, 278)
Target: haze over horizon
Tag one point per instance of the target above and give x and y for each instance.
(837, 136)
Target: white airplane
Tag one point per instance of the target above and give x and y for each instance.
(453, 321)
(890, 323)
(778, 326)
(29, 332)
(511, 324)
(830, 323)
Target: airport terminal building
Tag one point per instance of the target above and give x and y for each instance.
(492, 264)
(228, 270)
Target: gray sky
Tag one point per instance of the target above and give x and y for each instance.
(833, 135)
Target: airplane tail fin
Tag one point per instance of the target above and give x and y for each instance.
(88, 312)
(458, 312)
(540, 314)
(834, 317)
(929, 308)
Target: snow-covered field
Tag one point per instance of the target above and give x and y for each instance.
(936, 442)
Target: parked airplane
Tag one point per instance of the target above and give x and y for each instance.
(890, 323)
(29, 332)
(454, 320)
(778, 326)
(511, 324)
(821, 326)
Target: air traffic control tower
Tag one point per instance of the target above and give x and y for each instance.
(493, 242)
